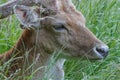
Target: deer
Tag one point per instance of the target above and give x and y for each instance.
(55, 26)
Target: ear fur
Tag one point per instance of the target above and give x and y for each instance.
(27, 16)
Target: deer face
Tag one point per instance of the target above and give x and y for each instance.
(70, 32)
(67, 28)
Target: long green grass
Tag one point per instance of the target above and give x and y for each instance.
(103, 19)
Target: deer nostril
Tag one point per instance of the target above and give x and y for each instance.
(103, 50)
(100, 50)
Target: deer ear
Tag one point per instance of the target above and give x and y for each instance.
(26, 15)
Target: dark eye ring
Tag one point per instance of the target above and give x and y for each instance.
(59, 27)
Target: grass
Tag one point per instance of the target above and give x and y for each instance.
(103, 19)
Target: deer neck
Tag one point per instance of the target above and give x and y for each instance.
(45, 57)
(36, 52)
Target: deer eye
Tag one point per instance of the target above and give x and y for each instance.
(59, 27)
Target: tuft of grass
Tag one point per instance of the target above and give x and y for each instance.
(103, 19)
(9, 33)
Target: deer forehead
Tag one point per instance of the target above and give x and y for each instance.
(71, 20)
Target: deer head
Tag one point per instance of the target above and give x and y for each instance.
(65, 28)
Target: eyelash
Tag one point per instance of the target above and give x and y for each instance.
(60, 27)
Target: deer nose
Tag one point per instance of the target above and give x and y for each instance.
(102, 50)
